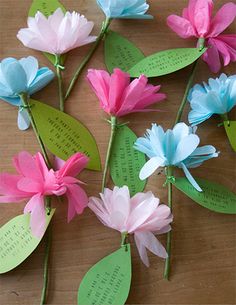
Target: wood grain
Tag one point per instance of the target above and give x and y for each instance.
(204, 243)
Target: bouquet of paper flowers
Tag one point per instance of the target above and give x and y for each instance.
(48, 178)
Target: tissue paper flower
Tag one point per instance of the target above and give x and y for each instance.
(197, 21)
(34, 181)
(216, 97)
(118, 96)
(58, 33)
(133, 9)
(141, 215)
(22, 76)
(177, 147)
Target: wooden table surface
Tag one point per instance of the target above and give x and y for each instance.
(204, 243)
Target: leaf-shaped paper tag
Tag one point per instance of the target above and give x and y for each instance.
(166, 62)
(214, 197)
(107, 282)
(126, 162)
(64, 135)
(17, 241)
(230, 128)
(120, 52)
(47, 7)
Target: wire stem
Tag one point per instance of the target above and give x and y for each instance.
(112, 137)
(103, 31)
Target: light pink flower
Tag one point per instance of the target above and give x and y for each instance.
(34, 181)
(58, 33)
(197, 21)
(118, 96)
(141, 215)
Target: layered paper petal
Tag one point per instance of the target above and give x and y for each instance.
(35, 181)
(181, 26)
(58, 33)
(134, 9)
(37, 215)
(77, 200)
(170, 148)
(202, 16)
(119, 96)
(222, 20)
(22, 76)
(141, 215)
(197, 20)
(216, 97)
(74, 165)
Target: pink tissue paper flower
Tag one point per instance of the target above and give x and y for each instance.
(118, 96)
(197, 21)
(58, 33)
(34, 181)
(141, 215)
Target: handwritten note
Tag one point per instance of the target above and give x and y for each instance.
(17, 241)
(126, 162)
(166, 62)
(63, 135)
(46, 7)
(120, 52)
(108, 282)
(230, 128)
(214, 197)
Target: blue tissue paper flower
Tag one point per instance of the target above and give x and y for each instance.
(177, 147)
(22, 76)
(131, 9)
(216, 97)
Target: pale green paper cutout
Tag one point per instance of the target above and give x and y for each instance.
(230, 128)
(17, 241)
(215, 197)
(166, 62)
(120, 52)
(107, 282)
(63, 135)
(47, 7)
(126, 162)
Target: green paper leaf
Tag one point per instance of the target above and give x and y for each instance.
(107, 282)
(215, 197)
(120, 52)
(63, 135)
(47, 7)
(166, 62)
(126, 162)
(17, 241)
(230, 128)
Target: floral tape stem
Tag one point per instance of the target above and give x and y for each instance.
(201, 42)
(169, 174)
(124, 237)
(48, 243)
(103, 31)
(24, 99)
(59, 69)
(112, 137)
(225, 118)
